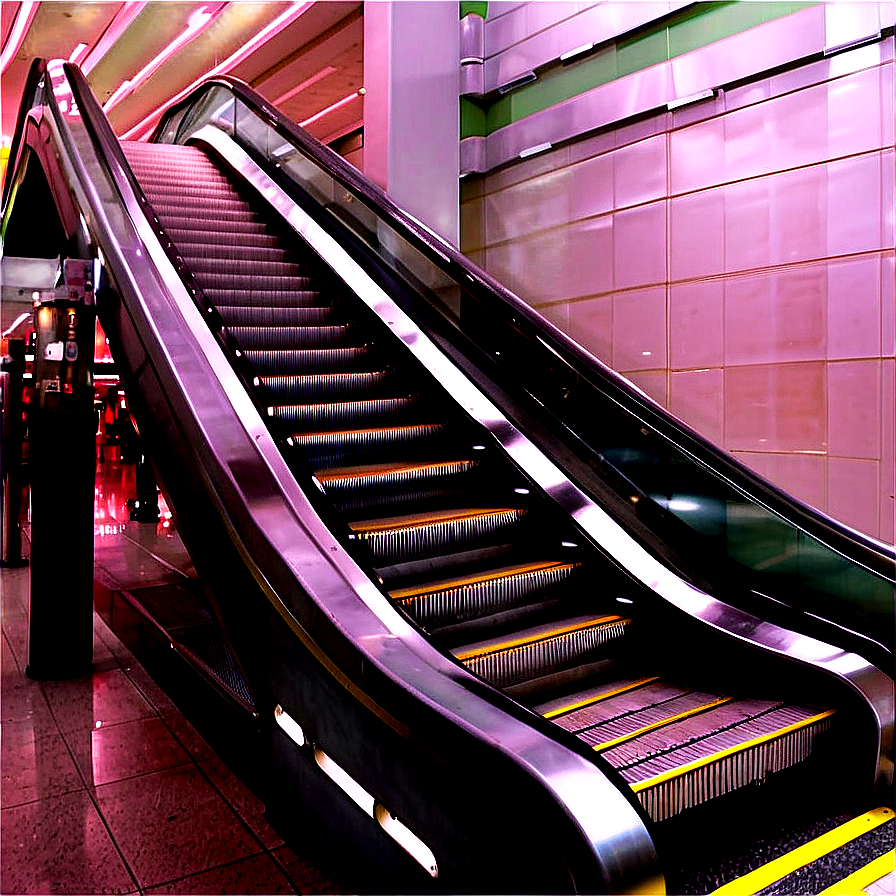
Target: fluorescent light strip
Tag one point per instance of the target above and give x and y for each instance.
(117, 27)
(275, 27)
(323, 73)
(196, 24)
(578, 51)
(20, 319)
(24, 17)
(289, 725)
(77, 53)
(534, 150)
(343, 102)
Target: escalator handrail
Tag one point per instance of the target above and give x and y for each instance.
(870, 553)
(35, 74)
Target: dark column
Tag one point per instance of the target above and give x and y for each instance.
(62, 461)
(11, 454)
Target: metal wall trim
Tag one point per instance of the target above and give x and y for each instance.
(745, 56)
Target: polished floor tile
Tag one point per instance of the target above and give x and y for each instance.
(24, 701)
(172, 824)
(304, 877)
(257, 874)
(116, 752)
(190, 739)
(107, 698)
(34, 765)
(59, 845)
(244, 802)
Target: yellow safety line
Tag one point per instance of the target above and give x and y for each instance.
(413, 520)
(383, 469)
(858, 880)
(719, 701)
(464, 581)
(597, 698)
(535, 637)
(806, 854)
(730, 751)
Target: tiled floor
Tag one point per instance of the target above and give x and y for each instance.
(106, 787)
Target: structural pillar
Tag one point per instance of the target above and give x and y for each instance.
(411, 107)
(62, 459)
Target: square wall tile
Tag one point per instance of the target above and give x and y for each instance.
(591, 325)
(697, 397)
(587, 259)
(697, 155)
(887, 198)
(888, 305)
(639, 245)
(854, 113)
(747, 150)
(776, 316)
(854, 312)
(854, 424)
(776, 407)
(854, 204)
(653, 382)
(527, 208)
(853, 496)
(557, 314)
(472, 227)
(747, 225)
(799, 215)
(639, 329)
(802, 475)
(697, 324)
(639, 172)
(697, 237)
(590, 185)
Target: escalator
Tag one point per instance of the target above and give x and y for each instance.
(447, 550)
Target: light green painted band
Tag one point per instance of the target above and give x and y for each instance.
(474, 7)
(688, 29)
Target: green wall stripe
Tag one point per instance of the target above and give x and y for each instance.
(688, 29)
(476, 7)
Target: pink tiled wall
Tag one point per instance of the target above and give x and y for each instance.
(736, 261)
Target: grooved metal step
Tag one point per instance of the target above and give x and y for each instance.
(326, 386)
(543, 650)
(313, 417)
(436, 532)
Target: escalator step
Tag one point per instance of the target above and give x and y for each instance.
(326, 386)
(421, 534)
(569, 703)
(201, 251)
(283, 316)
(543, 650)
(324, 447)
(725, 760)
(189, 238)
(391, 476)
(462, 598)
(315, 417)
(237, 264)
(195, 216)
(291, 337)
(619, 730)
(281, 298)
(238, 281)
(302, 362)
(211, 227)
(184, 202)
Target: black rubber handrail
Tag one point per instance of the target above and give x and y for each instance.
(35, 73)
(856, 546)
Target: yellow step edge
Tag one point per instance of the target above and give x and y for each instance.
(588, 701)
(662, 723)
(535, 637)
(384, 469)
(858, 880)
(804, 855)
(416, 520)
(466, 581)
(730, 751)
